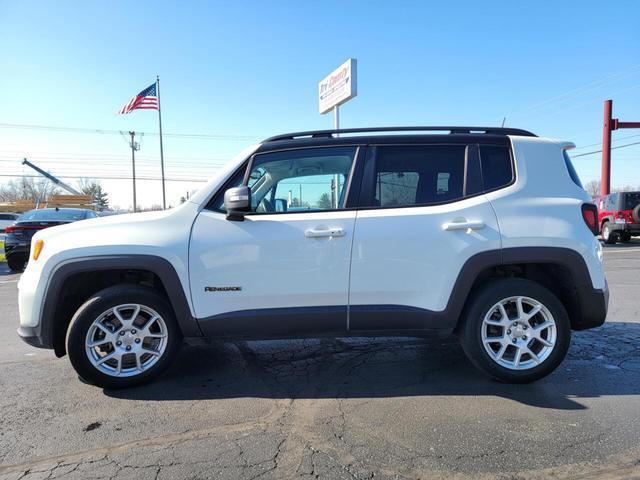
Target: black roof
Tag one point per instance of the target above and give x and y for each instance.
(451, 131)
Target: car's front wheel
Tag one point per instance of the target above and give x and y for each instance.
(122, 336)
(515, 330)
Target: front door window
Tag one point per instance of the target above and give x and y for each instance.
(301, 180)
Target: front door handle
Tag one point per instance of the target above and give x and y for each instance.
(324, 232)
(473, 225)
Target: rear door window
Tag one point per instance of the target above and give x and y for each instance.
(407, 175)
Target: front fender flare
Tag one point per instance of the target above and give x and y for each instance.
(166, 272)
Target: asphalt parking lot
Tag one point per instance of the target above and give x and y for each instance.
(344, 408)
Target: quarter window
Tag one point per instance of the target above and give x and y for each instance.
(571, 169)
(497, 169)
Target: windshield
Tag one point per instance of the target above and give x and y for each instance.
(631, 200)
(52, 215)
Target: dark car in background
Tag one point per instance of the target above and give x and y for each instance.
(7, 219)
(17, 242)
(619, 216)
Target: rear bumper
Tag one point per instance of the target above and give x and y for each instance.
(594, 304)
(14, 248)
(630, 228)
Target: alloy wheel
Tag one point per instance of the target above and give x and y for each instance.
(126, 340)
(519, 333)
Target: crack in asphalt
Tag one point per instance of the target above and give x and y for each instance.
(314, 428)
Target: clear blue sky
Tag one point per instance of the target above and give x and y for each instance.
(246, 70)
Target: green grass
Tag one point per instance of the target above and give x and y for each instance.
(1, 251)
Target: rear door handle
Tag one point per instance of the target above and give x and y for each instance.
(324, 232)
(473, 225)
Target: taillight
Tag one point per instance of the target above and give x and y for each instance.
(590, 217)
(22, 228)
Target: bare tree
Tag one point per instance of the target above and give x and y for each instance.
(153, 208)
(593, 187)
(27, 188)
(623, 188)
(85, 182)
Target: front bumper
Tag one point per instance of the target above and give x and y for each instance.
(31, 335)
(31, 289)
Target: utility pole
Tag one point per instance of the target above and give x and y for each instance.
(610, 124)
(134, 146)
(605, 170)
(334, 182)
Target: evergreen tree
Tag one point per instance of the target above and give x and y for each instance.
(99, 196)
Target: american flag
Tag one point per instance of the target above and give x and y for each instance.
(146, 99)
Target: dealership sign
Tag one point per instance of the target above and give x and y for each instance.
(338, 87)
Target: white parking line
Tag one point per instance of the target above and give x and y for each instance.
(622, 250)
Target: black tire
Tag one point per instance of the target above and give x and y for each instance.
(625, 237)
(608, 236)
(16, 263)
(480, 304)
(103, 301)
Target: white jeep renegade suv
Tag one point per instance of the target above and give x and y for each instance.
(483, 232)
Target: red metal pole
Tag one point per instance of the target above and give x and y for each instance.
(605, 175)
(626, 125)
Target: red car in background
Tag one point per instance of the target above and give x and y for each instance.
(619, 216)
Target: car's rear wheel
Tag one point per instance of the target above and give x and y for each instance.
(122, 336)
(16, 263)
(608, 236)
(515, 330)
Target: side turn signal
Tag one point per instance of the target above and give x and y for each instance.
(37, 248)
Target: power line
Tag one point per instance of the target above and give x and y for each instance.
(59, 163)
(563, 97)
(198, 180)
(614, 140)
(598, 151)
(21, 153)
(100, 131)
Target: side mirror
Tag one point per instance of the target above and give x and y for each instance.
(237, 201)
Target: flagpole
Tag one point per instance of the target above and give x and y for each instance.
(164, 203)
